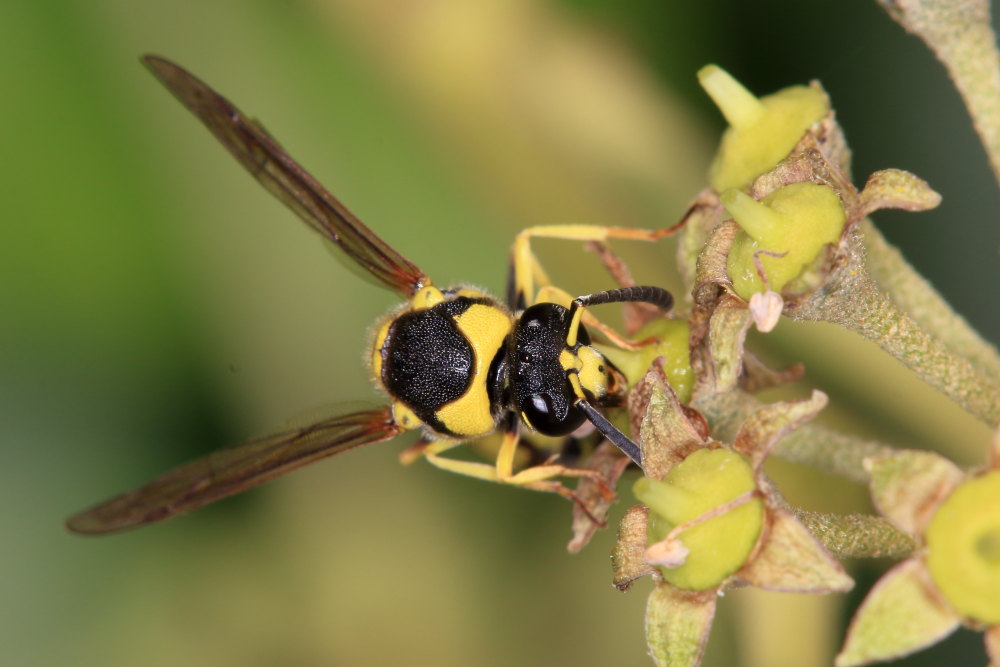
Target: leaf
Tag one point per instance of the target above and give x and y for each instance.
(907, 486)
(793, 561)
(726, 336)
(608, 461)
(629, 556)
(668, 433)
(895, 188)
(762, 430)
(678, 623)
(900, 615)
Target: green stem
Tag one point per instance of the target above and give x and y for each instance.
(823, 448)
(960, 35)
(913, 294)
(813, 445)
(852, 299)
(857, 535)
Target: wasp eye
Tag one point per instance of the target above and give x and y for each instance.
(538, 410)
(551, 417)
(541, 404)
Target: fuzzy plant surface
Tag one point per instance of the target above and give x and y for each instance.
(780, 230)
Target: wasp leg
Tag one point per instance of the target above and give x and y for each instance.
(614, 264)
(537, 478)
(501, 471)
(573, 497)
(413, 452)
(538, 473)
(526, 270)
(635, 314)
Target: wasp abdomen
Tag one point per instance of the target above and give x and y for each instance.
(437, 362)
(426, 361)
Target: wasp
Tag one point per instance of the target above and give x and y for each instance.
(455, 363)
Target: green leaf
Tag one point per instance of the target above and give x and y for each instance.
(900, 615)
(793, 561)
(677, 624)
(906, 486)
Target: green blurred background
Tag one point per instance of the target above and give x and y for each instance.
(156, 303)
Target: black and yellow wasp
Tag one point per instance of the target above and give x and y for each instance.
(455, 363)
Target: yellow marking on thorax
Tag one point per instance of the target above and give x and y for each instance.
(380, 336)
(486, 327)
(404, 416)
(470, 292)
(426, 297)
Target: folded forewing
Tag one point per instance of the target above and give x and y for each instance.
(230, 471)
(264, 158)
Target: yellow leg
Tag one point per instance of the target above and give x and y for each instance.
(505, 455)
(501, 471)
(432, 452)
(527, 270)
(635, 314)
(538, 478)
(413, 452)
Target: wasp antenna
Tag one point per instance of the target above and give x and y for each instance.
(656, 296)
(617, 438)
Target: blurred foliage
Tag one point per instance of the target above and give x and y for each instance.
(157, 304)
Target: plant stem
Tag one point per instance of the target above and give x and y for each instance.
(823, 448)
(813, 445)
(913, 294)
(857, 535)
(852, 299)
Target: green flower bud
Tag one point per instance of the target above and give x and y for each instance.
(762, 131)
(963, 548)
(795, 221)
(719, 546)
(672, 344)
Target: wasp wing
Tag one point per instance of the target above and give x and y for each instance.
(264, 158)
(230, 471)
